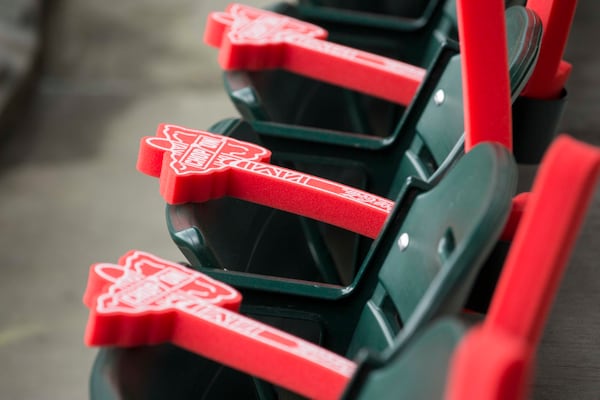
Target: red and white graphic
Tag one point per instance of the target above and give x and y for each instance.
(142, 282)
(254, 39)
(145, 300)
(196, 166)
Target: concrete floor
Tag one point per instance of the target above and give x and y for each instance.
(71, 196)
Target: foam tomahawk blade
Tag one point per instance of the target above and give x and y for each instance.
(145, 300)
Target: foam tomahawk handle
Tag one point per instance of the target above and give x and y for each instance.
(551, 71)
(196, 166)
(255, 39)
(538, 254)
(145, 300)
(484, 63)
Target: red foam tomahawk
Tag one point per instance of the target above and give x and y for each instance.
(196, 166)
(145, 300)
(551, 71)
(254, 39)
(485, 78)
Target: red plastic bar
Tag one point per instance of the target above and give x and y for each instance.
(542, 245)
(494, 360)
(484, 63)
(145, 300)
(551, 72)
(517, 208)
(196, 166)
(255, 39)
(490, 365)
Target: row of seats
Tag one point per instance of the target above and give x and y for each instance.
(449, 298)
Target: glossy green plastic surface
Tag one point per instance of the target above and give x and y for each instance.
(282, 97)
(241, 236)
(414, 273)
(465, 213)
(535, 124)
(417, 371)
(260, 240)
(280, 103)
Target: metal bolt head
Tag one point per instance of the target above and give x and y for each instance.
(439, 97)
(403, 241)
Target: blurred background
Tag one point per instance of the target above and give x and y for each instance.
(80, 82)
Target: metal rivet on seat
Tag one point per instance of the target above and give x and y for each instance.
(439, 97)
(403, 241)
